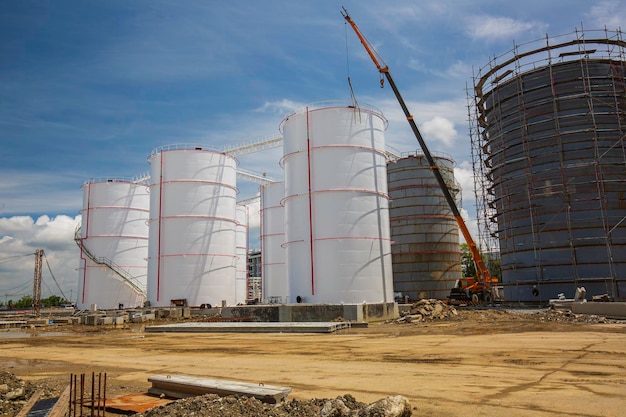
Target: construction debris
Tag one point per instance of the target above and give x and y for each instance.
(565, 316)
(15, 393)
(427, 310)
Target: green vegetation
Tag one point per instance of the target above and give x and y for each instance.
(468, 269)
(27, 302)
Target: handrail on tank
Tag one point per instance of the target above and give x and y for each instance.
(100, 260)
(318, 105)
(436, 154)
(182, 147)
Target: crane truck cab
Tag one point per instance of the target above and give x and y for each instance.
(469, 289)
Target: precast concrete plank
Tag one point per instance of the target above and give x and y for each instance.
(182, 386)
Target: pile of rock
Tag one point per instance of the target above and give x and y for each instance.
(13, 393)
(428, 310)
(565, 316)
(344, 406)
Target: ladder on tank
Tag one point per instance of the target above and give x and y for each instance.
(100, 260)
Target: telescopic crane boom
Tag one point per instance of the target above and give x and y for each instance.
(481, 270)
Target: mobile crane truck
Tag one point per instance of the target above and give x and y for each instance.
(482, 287)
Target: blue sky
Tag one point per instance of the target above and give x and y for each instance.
(88, 88)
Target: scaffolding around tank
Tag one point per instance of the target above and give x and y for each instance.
(547, 124)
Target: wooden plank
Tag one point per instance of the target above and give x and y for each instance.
(62, 405)
(181, 386)
(29, 404)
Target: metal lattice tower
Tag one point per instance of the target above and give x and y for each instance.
(37, 283)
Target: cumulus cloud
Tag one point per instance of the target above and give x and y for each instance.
(20, 236)
(441, 129)
(499, 27)
(464, 175)
(609, 13)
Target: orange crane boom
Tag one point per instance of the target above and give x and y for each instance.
(481, 269)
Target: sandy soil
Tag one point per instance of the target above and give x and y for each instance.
(483, 363)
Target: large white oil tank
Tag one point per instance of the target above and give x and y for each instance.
(273, 267)
(241, 280)
(113, 241)
(192, 251)
(336, 206)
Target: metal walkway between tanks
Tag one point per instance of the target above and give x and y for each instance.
(250, 327)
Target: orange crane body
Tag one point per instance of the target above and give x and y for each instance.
(484, 277)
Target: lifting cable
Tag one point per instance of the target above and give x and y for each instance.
(55, 280)
(14, 257)
(355, 103)
(17, 290)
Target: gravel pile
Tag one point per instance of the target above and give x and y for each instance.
(566, 316)
(211, 405)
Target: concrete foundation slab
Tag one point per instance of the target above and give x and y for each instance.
(313, 312)
(610, 310)
(250, 327)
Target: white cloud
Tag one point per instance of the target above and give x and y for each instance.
(472, 226)
(464, 175)
(281, 107)
(498, 27)
(609, 13)
(459, 69)
(20, 236)
(441, 129)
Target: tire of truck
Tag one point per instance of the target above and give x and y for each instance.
(475, 298)
(488, 298)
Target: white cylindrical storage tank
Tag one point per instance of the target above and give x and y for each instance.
(273, 268)
(113, 241)
(241, 280)
(336, 206)
(192, 226)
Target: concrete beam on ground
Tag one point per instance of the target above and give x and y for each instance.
(610, 310)
(182, 386)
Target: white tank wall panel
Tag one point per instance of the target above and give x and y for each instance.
(192, 252)
(106, 289)
(111, 221)
(273, 267)
(114, 231)
(339, 251)
(196, 236)
(241, 230)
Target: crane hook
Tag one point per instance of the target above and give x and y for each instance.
(382, 82)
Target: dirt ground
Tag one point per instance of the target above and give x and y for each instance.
(476, 363)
